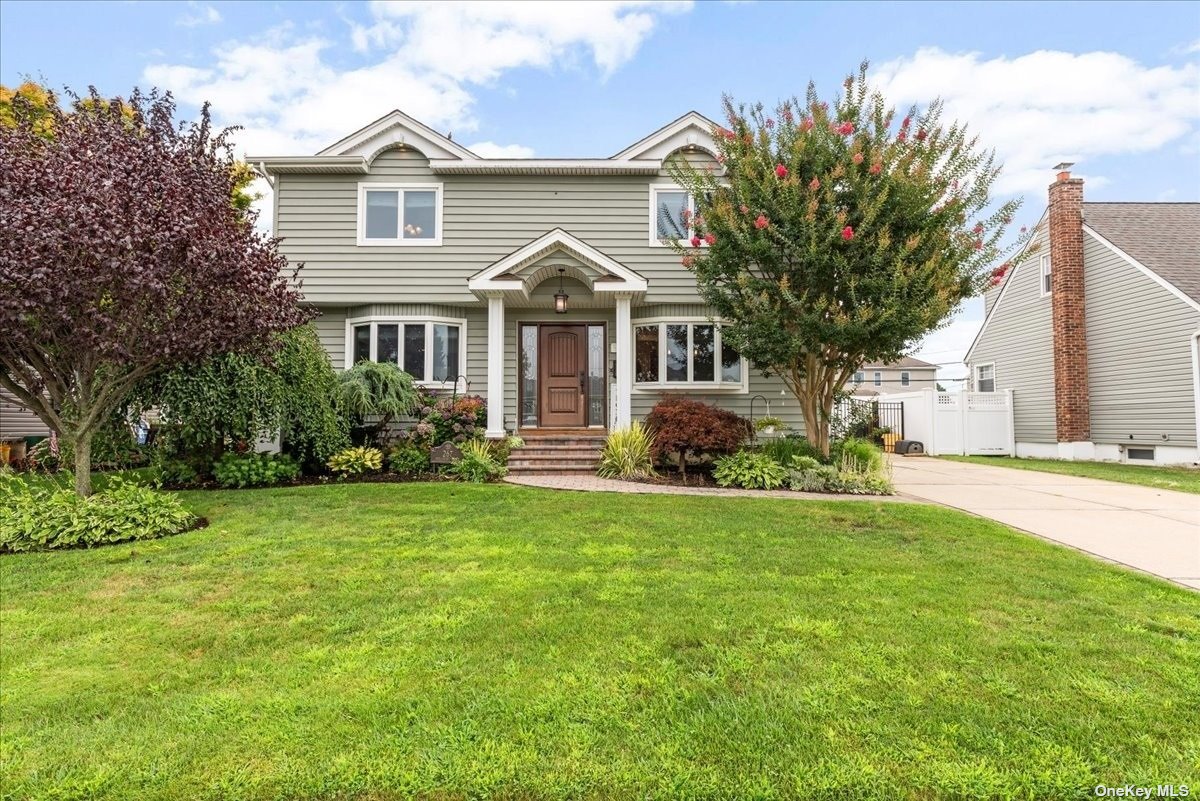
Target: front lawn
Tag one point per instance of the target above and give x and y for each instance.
(1181, 479)
(380, 641)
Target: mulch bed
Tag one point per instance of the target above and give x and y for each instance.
(308, 481)
(672, 478)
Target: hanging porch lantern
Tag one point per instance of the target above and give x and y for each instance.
(560, 297)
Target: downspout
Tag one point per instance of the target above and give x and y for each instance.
(1196, 388)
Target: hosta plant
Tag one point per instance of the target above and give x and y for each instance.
(356, 461)
(254, 469)
(749, 470)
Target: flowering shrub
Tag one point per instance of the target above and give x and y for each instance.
(684, 427)
(448, 419)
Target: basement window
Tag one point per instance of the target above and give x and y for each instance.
(1139, 454)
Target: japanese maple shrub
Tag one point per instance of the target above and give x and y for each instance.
(684, 428)
(833, 236)
(124, 255)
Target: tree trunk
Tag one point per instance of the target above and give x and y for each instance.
(82, 446)
(816, 424)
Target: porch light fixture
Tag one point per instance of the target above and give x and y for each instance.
(560, 297)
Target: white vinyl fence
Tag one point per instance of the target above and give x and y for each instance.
(963, 423)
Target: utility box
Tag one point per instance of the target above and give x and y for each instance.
(909, 447)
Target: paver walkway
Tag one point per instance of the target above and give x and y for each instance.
(586, 482)
(1154, 530)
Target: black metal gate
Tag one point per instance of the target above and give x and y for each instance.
(879, 421)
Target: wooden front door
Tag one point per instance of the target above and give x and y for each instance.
(562, 374)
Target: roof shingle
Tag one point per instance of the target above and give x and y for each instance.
(1164, 237)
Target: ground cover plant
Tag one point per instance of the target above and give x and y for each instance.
(470, 641)
(1180, 479)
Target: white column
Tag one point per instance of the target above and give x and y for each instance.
(495, 383)
(624, 383)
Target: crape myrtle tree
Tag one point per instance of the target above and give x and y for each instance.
(123, 256)
(834, 237)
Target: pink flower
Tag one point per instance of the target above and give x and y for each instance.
(787, 115)
(1023, 229)
(720, 158)
(814, 184)
(900, 137)
(846, 128)
(847, 233)
(744, 209)
(781, 171)
(907, 122)
(979, 244)
(687, 261)
(921, 135)
(876, 168)
(978, 228)
(762, 222)
(770, 122)
(806, 124)
(998, 280)
(857, 158)
(710, 239)
(685, 215)
(695, 241)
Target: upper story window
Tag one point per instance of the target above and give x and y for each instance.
(399, 214)
(682, 354)
(671, 213)
(878, 379)
(985, 378)
(905, 378)
(433, 352)
(860, 377)
(1046, 284)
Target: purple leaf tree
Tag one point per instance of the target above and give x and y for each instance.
(122, 256)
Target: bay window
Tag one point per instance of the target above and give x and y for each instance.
(431, 351)
(399, 214)
(685, 353)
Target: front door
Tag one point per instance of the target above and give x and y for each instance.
(562, 375)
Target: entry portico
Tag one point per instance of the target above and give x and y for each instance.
(611, 287)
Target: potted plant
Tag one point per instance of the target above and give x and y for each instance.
(769, 425)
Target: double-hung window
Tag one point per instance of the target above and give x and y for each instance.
(860, 377)
(399, 214)
(905, 378)
(1046, 283)
(433, 352)
(671, 213)
(878, 379)
(985, 378)
(668, 354)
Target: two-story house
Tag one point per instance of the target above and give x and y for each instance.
(888, 378)
(1097, 332)
(545, 285)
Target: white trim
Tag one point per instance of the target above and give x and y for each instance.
(975, 368)
(1196, 383)
(877, 378)
(702, 387)
(397, 128)
(1008, 281)
(488, 280)
(667, 138)
(277, 165)
(400, 189)
(1158, 279)
(495, 363)
(1044, 272)
(374, 320)
(905, 378)
(583, 166)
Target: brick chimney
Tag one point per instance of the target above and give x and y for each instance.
(1072, 415)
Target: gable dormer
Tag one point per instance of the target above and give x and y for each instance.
(691, 132)
(393, 130)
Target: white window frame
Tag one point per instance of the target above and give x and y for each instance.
(376, 320)
(877, 379)
(401, 241)
(905, 378)
(691, 207)
(976, 379)
(662, 385)
(1044, 276)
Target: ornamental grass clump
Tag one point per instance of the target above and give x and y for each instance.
(478, 464)
(37, 518)
(628, 453)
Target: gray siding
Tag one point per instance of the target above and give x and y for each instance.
(484, 219)
(331, 329)
(1139, 354)
(1019, 340)
(17, 421)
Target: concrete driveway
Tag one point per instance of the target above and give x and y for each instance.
(1157, 531)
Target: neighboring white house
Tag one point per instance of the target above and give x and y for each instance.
(906, 375)
(1097, 332)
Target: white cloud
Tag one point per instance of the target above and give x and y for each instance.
(491, 150)
(198, 14)
(1045, 107)
(292, 95)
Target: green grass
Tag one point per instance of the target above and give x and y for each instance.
(380, 641)
(1181, 479)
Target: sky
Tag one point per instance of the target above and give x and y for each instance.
(1113, 87)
